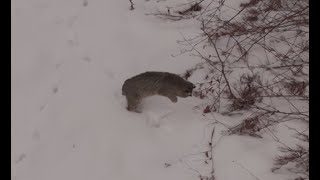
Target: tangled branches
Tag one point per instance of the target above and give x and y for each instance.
(256, 58)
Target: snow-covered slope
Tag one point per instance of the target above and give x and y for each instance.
(69, 61)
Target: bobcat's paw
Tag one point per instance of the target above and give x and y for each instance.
(174, 99)
(134, 110)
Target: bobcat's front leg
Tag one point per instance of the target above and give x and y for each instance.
(165, 93)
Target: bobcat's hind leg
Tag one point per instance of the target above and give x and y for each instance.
(133, 103)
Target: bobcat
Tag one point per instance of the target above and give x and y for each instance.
(155, 83)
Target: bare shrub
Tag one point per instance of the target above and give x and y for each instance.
(298, 157)
(296, 88)
(256, 57)
(252, 126)
(248, 92)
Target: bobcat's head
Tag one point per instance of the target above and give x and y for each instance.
(186, 89)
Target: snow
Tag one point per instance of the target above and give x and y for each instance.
(69, 121)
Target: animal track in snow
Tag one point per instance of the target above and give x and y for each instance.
(85, 3)
(55, 89)
(36, 135)
(42, 107)
(87, 59)
(20, 158)
(109, 74)
(154, 119)
(58, 65)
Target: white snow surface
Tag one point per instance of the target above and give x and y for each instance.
(69, 121)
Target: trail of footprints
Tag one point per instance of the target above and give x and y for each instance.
(72, 40)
